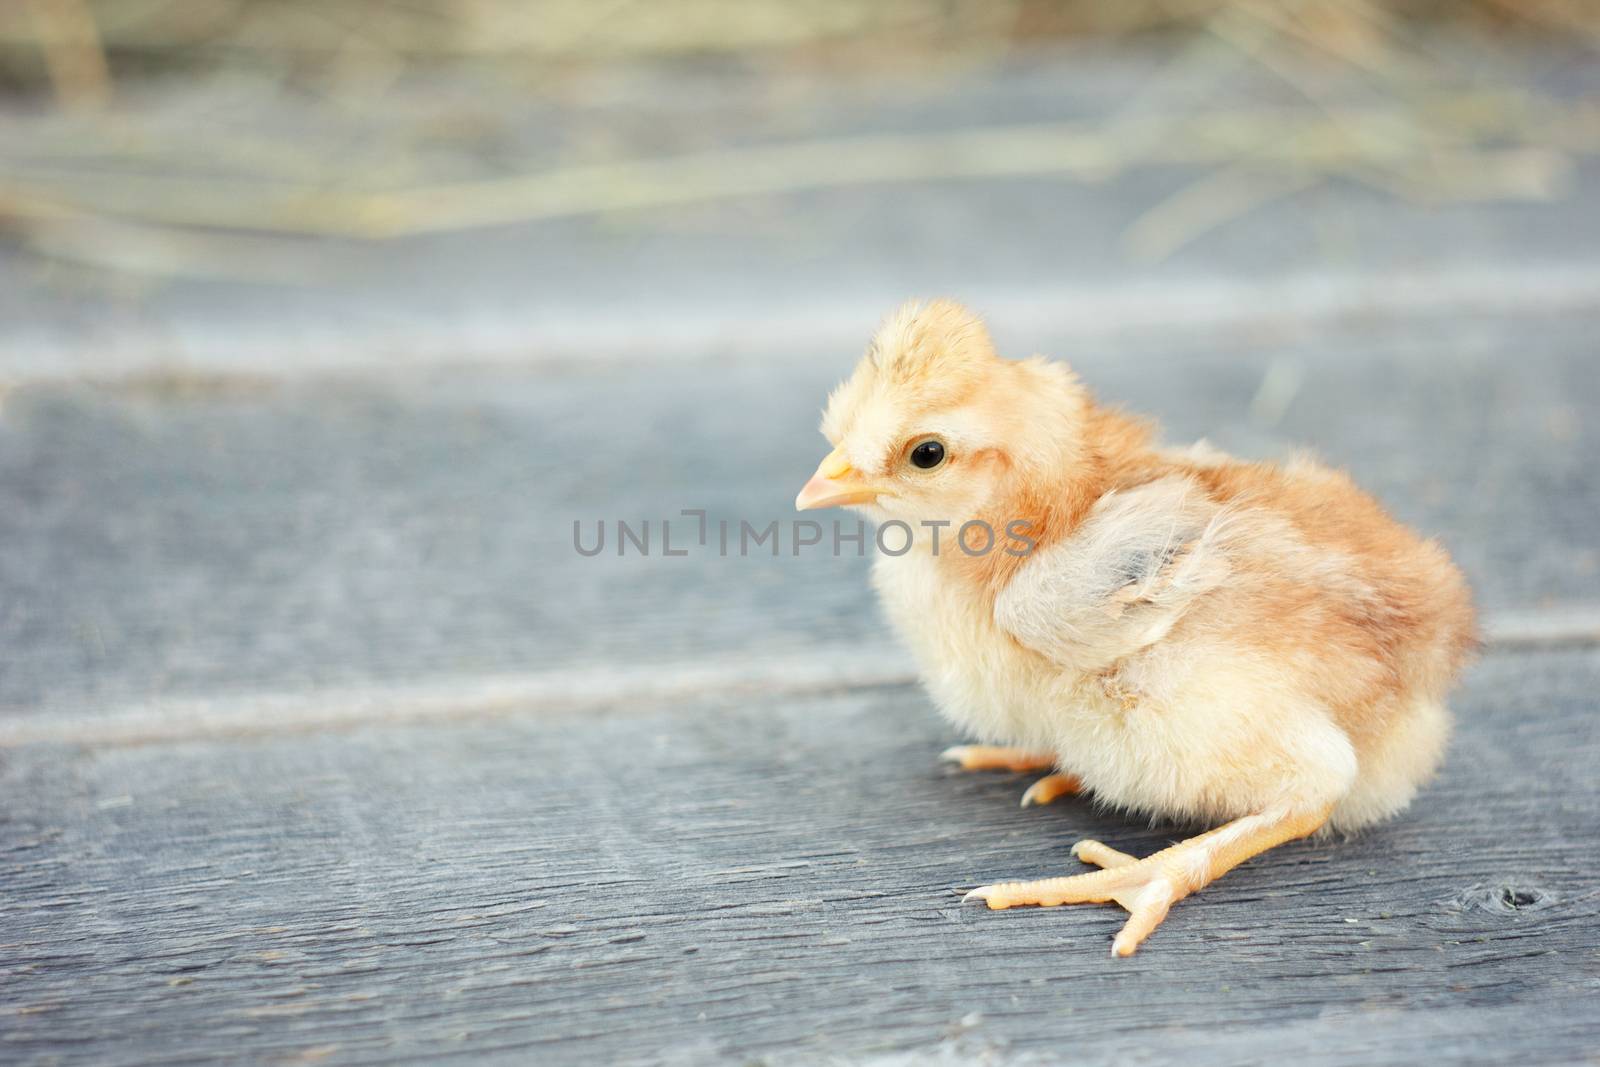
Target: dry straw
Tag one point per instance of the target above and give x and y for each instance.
(102, 186)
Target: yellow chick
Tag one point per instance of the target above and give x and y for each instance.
(1180, 633)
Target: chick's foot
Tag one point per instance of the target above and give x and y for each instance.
(996, 758)
(1148, 887)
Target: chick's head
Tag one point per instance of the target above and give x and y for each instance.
(933, 425)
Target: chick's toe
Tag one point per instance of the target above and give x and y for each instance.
(1050, 787)
(1102, 855)
(997, 758)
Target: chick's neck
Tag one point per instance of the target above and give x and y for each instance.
(1108, 450)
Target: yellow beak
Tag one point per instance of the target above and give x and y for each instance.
(834, 485)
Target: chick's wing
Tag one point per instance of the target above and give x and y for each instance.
(1141, 558)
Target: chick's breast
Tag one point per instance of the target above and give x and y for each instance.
(983, 681)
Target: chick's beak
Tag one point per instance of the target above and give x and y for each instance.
(834, 485)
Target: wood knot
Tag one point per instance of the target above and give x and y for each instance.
(1504, 898)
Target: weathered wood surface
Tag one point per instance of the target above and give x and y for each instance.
(771, 880)
(318, 743)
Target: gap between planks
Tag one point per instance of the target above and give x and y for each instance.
(444, 700)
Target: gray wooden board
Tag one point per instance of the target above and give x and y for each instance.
(770, 881)
(198, 536)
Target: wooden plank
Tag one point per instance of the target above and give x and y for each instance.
(189, 537)
(755, 881)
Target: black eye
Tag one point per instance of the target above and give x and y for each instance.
(927, 454)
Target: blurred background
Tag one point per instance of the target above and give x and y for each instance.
(247, 184)
(320, 323)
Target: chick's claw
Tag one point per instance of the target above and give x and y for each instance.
(996, 758)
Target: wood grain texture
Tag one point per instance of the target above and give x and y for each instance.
(276, 537)
(770, 882)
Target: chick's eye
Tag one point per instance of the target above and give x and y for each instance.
(927, 454)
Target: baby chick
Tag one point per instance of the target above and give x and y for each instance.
(1180, 633)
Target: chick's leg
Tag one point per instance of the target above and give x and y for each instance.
(1148, 887)
(995, 758)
